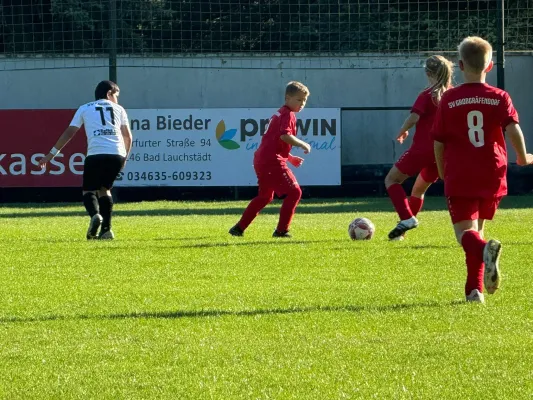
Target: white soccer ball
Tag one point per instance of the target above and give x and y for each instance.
(361, 229)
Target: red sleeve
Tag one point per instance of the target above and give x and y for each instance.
(287, 124)
(438, 131)
(293, 123)
(421, 103)
(509, 112)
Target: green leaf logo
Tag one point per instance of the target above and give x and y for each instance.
(224, 137)
(221, 127)
(229, 144)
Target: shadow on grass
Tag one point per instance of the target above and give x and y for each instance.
(238, 313)
(400, 247)
(116, 245)
(313, 206)
(272, 209)
(235, 242)
(518, 243)
(425, 247)
(80, 239)
(260, 243)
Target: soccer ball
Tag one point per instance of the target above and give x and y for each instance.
(361, 229)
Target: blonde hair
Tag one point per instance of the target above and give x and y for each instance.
(294, 87)
(476, 53)
(441, 70)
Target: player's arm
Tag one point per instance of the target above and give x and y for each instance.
(125, 131)
(411, 121)
(439, 138)
(295, 160)
(127, 136)
(515, 135)
(438, 147)
(61, 142)
(294, 141)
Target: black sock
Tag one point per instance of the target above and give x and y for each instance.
(91, 203)
(106, 208)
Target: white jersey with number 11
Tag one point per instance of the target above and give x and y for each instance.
(102, 120)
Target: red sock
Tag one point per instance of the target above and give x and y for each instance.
(415, 204)
(255, 206)
(399, 201)
(287, 209)
(473, 246)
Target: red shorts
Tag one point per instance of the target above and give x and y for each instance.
(430, 173)
(276, 178)
(413, 161)
(472, 208)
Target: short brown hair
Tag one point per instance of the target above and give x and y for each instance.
(476, 53)
(103, 88)
(295, 87)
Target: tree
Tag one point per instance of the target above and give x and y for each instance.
(170, 27)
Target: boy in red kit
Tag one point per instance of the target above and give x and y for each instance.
(270, 164)
(420, 158)
(472, 160)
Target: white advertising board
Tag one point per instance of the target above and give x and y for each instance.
(214, 147)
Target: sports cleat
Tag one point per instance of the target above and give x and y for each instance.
(236, 231)
(94, 225)
(491, 258)
(278, 234)
(402, 227)
(399, 238)
(107, 235)
(475, 296)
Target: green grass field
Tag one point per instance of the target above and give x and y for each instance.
(175, 308)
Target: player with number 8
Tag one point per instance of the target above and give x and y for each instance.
(471, 158)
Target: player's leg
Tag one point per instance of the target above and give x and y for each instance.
(90, 199)
(425, 178)
(290, 187)
(416, 200)
(473, 246)
(112, 165)
(105, 201)
(393, 184)
(481, 228)
(265, 195)
(464, 213)
(493, 248)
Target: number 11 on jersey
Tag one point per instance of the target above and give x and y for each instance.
(102, 116)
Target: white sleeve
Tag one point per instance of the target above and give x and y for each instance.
(78, 118)
(124, 118)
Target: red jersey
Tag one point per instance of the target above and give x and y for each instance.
(425, 106)
(272, 149)
(470, 122)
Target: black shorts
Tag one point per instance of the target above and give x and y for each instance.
(101, 170)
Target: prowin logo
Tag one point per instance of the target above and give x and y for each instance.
(224, 137)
